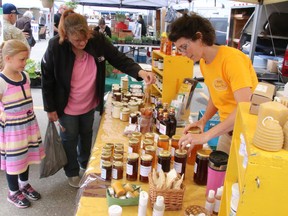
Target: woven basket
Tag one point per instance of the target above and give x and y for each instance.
(173, 198)
(195, 210)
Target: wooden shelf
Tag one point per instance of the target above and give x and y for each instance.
(157, 89)
(160, 72)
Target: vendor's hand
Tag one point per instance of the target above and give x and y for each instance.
(192, 139)
(148, 77)
(200, 124)
(52, 116)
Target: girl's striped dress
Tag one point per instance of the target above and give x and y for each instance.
(20, 139)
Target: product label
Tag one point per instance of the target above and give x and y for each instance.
(159, 167)
(114, 174)
(172, 151)
(121, 116)
(209, 206)
(261, 88)
(130, 149)
(157, 124)
(129, 169)
(143, 151)
(145, 170)
(157, 212)
(178, 167)
(162, 129)
(195, 167)
(103, 173)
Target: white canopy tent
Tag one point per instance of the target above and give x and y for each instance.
(257, 17)
(24, 3)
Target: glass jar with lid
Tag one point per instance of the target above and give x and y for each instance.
(116, 107)
(132, 167)
(133, 119)
(137, 135)
(106, 170)
(145, 143)
(145, 167)
(121, 145)
(201, 166)
(124, 114)
(119, 150)
(151, 150)
(160, 64)
(133, 106)
(133, 145)
(163, 143)
(117, 170)
(192, 157)
(118, 157)
(180, 161)
(164, 159)
(110, 145)
(174, 145)
(149, 135)
(104, 157)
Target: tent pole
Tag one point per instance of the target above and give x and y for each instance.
(257, 16)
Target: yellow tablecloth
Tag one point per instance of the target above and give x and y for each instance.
(110, 131)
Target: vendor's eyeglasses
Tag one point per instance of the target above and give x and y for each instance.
(183, 47)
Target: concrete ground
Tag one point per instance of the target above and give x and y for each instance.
(58, 198)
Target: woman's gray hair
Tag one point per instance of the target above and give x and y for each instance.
(28, 14)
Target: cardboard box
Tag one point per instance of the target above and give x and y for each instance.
(254, 109)
(264, 92)
(123, 34)
(272, 66)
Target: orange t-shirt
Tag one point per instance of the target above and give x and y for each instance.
(229, 71)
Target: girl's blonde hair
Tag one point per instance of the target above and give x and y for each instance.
(11, 48)
(73, 23)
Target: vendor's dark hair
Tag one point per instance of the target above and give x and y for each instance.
(188, 27)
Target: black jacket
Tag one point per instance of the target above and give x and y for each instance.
(107, 31)
(57, 65)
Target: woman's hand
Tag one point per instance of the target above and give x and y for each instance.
(52, 116)
(200, 124)
(148, 77)
(192, 139)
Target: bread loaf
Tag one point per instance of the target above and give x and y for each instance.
(118, 188)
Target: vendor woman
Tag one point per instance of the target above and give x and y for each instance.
(228, 73)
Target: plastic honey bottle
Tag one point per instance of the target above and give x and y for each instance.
(210, 201)
(218, 200)
(159, 206)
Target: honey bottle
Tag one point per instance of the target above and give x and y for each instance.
(159, 119)
(173, 123)
(164, 127)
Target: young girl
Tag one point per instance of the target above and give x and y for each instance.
(20, 140)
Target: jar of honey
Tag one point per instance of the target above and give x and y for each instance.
(174, 145)
(121, 145)
(124, 114)
(106, 170)
(164, 159)
(132, 167)
(150, 136)
(151, 150)
(192, 156)
(110, 145)
(145, 143)
(145, 167)
(180, 161)
(105, 157)
(117, 170)
(118, 150)
(163, 143)
(133, 119)
(133, 145)
(201, 167)
(118, 157)
(137, 135)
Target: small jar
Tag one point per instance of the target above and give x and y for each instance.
(133, 145)
(133, 106)
(132, 167)
(180, 161)
(155, 62)
(174, 145)
(106, 150)
(118, 157)
(163, 143)
(145, 143)
(124, 114)
(116, 110)
(121, 145)
(106, 170)
(145, 167)
(117, 96)
(150, 136)
(151, 150)
(118, 150)
(104, 157)
(137, 135)
(164, 160)
(124, 83)
(160, 64)
(192, 157)
(110, 145)
(128, 95)
(201, 167)
(117, 170)
(133, 119)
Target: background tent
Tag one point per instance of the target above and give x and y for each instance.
(148, 4)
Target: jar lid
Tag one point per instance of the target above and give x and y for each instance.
(106, 164)
(132, 104)
(128, 94)
(136, 86)
(119, 145)
(118, 156)
(149, 135)
(133, 156)
(118, 164)
(176, 137)
(194, 130)
(148, 142)
(107, 147)
(136, 134)
(204, 153)
(111, 145)
(163, 137)
(133, 114)
(218, 158)
(118, 104)
(117, 93)
(108, 151)
(181, 152)
(165, 153)
(150, 148)
(105, 155)
(160, 60)
(119, 149)
(133, 140)
(146, 157)
(125, 110)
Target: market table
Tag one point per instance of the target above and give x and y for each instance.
(110, 131)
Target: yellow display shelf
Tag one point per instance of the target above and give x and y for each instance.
(175, 70)
(157, 89)
(263, 181)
